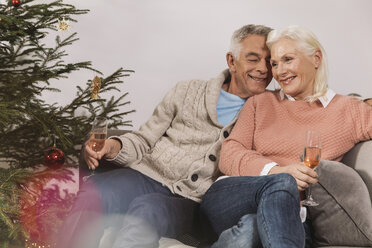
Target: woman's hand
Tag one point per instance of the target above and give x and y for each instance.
(304, 175)
(109, 150)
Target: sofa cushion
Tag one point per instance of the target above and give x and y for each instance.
(344, 214)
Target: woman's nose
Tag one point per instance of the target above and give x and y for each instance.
(281, 70)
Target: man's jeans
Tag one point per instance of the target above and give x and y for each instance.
(232, 203)
(140, 209)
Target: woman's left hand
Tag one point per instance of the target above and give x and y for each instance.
(304, 175)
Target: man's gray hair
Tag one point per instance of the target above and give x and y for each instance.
(240, 34)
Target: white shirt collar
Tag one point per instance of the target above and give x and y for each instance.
(325, 100)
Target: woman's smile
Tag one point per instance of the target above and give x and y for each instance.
(287, 80)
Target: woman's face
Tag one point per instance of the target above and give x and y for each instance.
(292, 69)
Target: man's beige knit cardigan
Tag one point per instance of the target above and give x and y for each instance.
(179, 145)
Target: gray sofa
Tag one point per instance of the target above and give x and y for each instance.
(359, 159)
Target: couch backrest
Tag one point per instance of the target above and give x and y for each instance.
(360, 158)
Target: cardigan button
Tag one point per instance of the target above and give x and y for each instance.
(226, 134)
(194, 177)
(212, 157)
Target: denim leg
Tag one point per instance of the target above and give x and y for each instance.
(154, 215)
(273, 198)
(278, 219)
(102, 202)
(84, 220)
(118, 188)
(308, 233)
(244, 234)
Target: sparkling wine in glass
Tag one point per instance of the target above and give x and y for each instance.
(98, 134)
(98, 137)
(97, 141)
(311, 157)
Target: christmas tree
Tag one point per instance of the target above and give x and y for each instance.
(29, 126)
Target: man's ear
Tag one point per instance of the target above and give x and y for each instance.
(317, 58)
(230, 61)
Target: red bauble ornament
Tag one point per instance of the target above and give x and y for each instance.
(54, 157)
(16, 3)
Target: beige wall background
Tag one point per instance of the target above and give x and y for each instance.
(166, 41)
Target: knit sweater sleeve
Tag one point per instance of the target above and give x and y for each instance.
(135, 144)
(362, 118)
(238, 157)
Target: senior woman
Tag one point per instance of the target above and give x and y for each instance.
(270, 132)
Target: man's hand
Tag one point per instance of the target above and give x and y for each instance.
(109, 150)
(304, 175)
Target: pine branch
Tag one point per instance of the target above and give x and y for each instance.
(29, 68)
(28, 125)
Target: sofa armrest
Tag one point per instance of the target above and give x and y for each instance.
(360, 158)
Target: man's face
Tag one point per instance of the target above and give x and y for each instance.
(251, 73)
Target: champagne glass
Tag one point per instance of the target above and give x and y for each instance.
(97, 138)
(311, 158)
(98, 134)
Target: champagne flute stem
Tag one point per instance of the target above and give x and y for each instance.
(309, 196)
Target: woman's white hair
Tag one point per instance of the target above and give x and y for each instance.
(308, 44)
(240, 34)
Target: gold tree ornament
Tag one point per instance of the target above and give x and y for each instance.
(63, 25)
(96, 86)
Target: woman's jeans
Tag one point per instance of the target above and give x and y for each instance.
(138, 208)
(254, 209)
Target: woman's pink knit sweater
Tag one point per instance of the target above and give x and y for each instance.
(270, 129)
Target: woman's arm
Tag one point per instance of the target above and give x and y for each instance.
(362, 118)
(237, 156)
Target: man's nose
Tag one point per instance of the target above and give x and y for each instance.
(263, 66)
